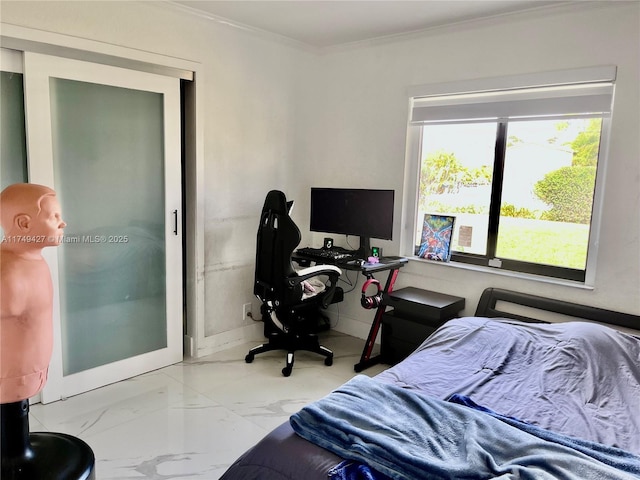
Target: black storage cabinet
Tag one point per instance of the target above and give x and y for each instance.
(416, 314)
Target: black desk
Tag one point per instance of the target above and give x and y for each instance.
(393, 266)
(385, 263)
(390, 264)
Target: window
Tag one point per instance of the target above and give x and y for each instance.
(517, 167)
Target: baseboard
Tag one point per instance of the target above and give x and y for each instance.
(226, 340)
(354, 328)
(254, 333)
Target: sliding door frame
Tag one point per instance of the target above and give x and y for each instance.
(193, 80)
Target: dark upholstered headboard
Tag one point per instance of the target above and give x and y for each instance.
(487, 308)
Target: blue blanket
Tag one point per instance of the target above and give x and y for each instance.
(403, 435)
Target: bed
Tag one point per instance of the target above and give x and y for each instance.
(503, 394)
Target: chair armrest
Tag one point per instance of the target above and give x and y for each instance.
(331, 271)
(319, 270)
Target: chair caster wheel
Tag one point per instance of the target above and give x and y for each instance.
(286, 371)
(328, 361)
(249, 358)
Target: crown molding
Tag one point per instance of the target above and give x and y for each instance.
(232, 24)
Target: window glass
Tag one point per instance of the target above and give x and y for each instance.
(547, 193)
(521, 190)
(455, 179)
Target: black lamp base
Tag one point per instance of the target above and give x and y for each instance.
(40, 455)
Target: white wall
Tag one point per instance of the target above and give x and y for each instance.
(360, 136)
(279, 116)
(251, 90)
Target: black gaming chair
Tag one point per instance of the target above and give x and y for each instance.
(290, 305)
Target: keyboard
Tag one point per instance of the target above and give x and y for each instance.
(324, 254)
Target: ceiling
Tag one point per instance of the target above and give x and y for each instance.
(329, 23)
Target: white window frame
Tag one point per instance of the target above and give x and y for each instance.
(457, 93)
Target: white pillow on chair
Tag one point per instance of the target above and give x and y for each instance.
(312, 287)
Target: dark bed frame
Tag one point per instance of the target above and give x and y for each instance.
(490, 296)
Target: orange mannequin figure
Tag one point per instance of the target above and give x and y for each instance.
(31, 220)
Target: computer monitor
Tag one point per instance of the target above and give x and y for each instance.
(365, 213)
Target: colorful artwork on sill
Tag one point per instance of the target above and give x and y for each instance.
(437, 232)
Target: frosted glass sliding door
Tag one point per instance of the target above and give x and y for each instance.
(13, 148)
(109, 174)
(115, 164)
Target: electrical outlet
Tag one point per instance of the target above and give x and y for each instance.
(246, 310)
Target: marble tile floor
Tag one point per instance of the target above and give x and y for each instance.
(193, 419)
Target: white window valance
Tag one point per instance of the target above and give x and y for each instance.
(575, 93)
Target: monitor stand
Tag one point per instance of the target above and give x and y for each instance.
(365, 248)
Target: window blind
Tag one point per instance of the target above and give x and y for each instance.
(591, 96)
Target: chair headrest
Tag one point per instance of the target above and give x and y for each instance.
(275, 201)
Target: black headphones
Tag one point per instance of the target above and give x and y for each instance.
(373, 301)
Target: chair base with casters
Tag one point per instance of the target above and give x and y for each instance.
(289, 340)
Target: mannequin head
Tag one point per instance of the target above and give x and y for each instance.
(30, 217)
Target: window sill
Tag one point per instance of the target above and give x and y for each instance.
(506, 273)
